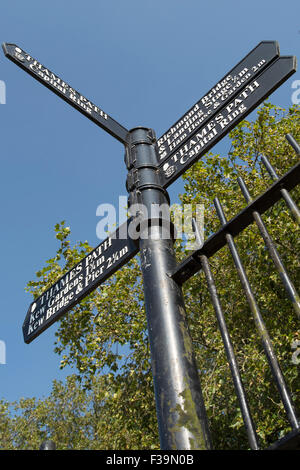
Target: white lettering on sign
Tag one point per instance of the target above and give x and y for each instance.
(67, 289)
(58, 84)
(205, 108)
(212, 129)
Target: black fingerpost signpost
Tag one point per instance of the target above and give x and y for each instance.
(153, 164)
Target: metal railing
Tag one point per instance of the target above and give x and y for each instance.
(199, 260)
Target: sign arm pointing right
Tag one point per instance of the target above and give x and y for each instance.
(204, 137)
(265, 53)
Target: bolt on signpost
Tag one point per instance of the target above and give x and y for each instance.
(153, 164)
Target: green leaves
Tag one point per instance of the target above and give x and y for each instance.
(109, 404)
(216, 176)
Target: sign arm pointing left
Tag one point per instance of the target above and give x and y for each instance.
(88, 274)
(65, 91)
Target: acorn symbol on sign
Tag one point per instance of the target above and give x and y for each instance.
(18, 54)
(33, 307)
(169, 170)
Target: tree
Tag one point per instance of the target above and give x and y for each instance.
(105, 337)
(216, 176)
(77, 418)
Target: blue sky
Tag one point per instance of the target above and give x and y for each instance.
(144, 63)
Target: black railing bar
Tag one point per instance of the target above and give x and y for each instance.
(191, 265)
(198, 234)
(237, 381)
(285, 194)
(293, 143)
(288, 284)
(261, 327)
(291, 441)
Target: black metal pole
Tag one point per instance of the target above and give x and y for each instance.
(180, 408)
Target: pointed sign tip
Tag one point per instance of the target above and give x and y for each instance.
(292, 59)
(4, 44)
(8, 47)
(275, 44)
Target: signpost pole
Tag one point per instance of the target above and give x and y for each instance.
(181, 413)
(153, 166)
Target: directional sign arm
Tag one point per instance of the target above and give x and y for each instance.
(228, 116)
(65, 91)
(97, 266)
(229, 86)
